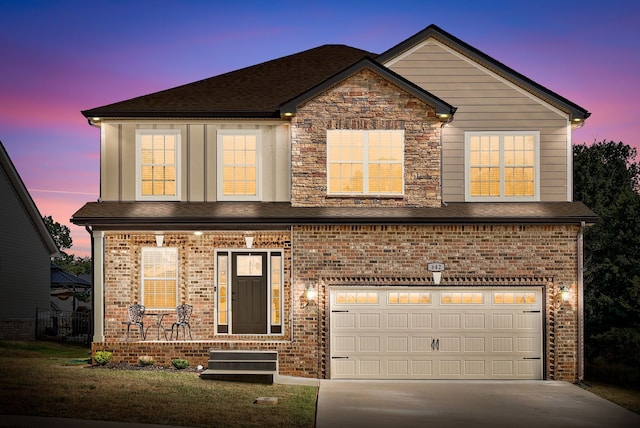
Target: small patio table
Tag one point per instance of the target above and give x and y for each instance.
(159, 317)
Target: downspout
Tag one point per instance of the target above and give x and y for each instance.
(581, 302)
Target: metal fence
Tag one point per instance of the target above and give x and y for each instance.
(63, 326)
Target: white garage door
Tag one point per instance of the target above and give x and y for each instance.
(458, 333)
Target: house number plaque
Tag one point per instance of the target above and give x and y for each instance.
(435, 267)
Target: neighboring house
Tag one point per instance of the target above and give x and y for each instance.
(25, 254)
(407, 215)
(69, 292)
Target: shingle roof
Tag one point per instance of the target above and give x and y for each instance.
(255, 91)
(212, 215)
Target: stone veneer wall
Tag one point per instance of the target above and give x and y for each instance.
(498, 255)
(365, 101)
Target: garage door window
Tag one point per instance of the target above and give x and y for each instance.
(461, 298)
(409, 298)
(356, 297)
(514, 298)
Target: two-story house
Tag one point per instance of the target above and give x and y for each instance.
(407, 215)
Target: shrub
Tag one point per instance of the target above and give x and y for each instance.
(145, 360)
(103, 357)
(179, 363)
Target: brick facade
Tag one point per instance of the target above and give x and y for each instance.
(487, 256)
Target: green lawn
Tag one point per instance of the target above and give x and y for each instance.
(50, 379)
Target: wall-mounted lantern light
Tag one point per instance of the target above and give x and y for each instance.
(311, 293)
(159, 240)
(565, 293)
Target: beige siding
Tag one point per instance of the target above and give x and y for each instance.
(486, 102)
(198, 176)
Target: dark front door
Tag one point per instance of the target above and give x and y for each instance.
(249, 293)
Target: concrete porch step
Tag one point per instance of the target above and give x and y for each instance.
(242, 366)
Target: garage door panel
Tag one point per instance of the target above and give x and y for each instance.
(474, 344)
(474, 321)
(449, 321)
(421, 321)
(396, 320)
(397, 344)
(369, 344)
(421, 344)
(369, 320)
(342, 320)
(474, 368)
(419, 334)
(344, 344)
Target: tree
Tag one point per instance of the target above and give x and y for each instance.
(607, 180)
(61, 235)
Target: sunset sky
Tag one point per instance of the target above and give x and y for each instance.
(60, 57)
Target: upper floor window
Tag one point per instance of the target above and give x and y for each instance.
(365, 162)
(502, 166)
(239, 157)
(160, 277)
(158, 164)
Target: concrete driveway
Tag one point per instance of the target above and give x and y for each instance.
(494, 404)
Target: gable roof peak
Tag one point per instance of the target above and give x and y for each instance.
(577, 114)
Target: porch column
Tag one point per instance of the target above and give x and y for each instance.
(98, 286)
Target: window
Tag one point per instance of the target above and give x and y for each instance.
(514, 298)
(223, 292)
(409, 298)
(276, 292)
(159, 277)
(461, 298)
(239, 165)
(356, 297)
(158, 164)
(502, 166)
(365, 162)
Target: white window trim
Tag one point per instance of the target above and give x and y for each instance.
(365, 167)
(142, 277)
(139, 134)
(219, 167)
(467, 167)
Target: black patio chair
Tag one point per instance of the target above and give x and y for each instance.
(184, 312)
(136, 318)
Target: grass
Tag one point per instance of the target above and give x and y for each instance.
(628, 398)
(51, 379)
